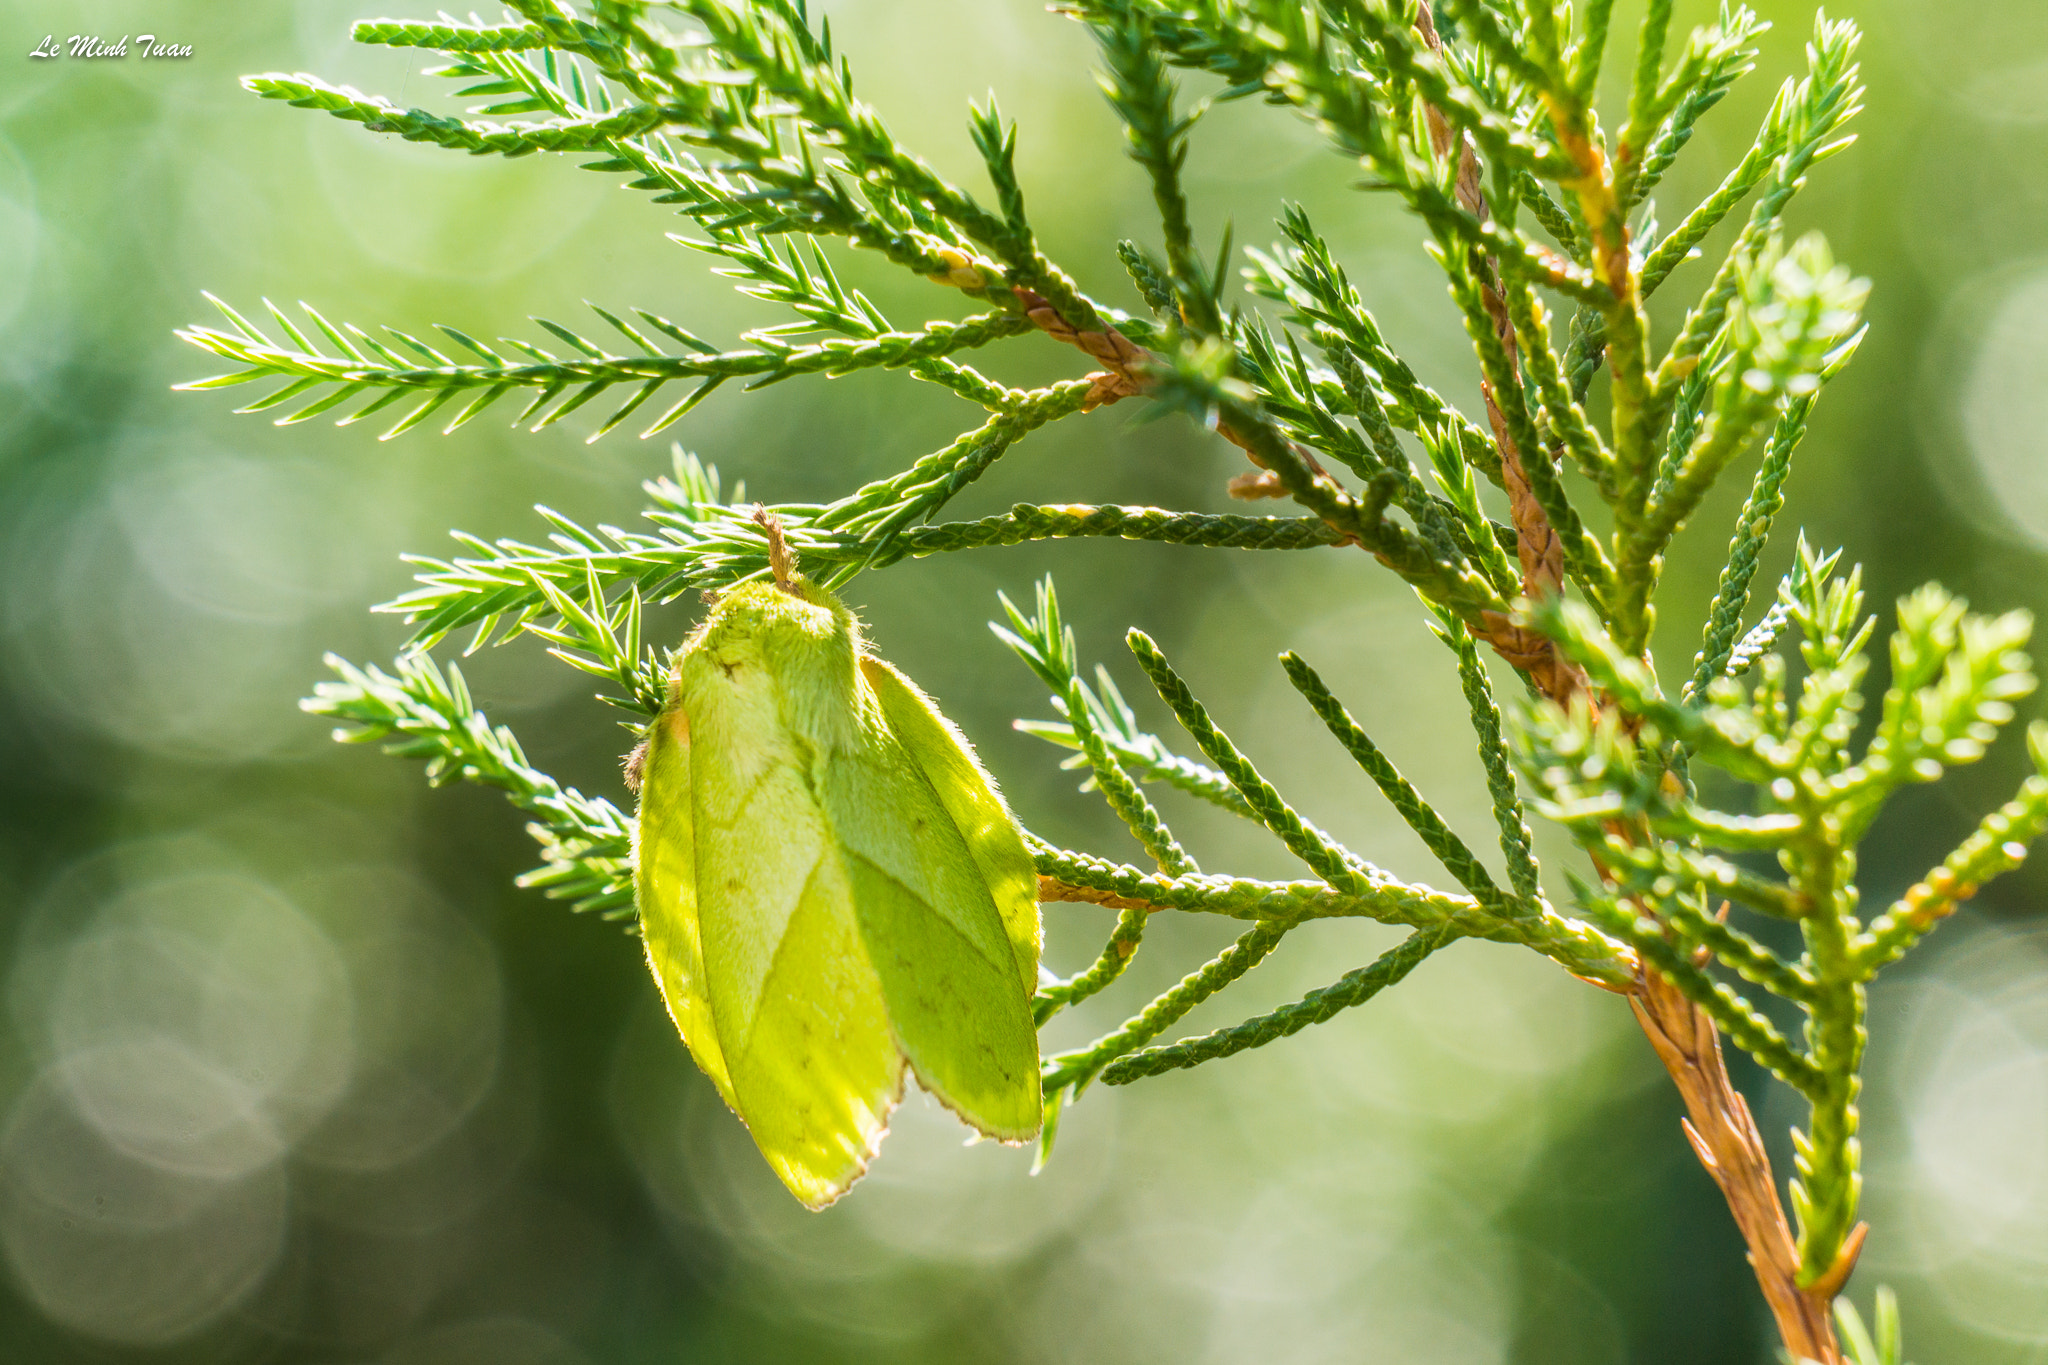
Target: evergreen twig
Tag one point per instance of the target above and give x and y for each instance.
(748, 128)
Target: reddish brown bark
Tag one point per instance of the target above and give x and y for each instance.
(1719, 1124)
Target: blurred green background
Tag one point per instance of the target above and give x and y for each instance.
(289, 1071)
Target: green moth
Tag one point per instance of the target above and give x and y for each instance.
(831, 891)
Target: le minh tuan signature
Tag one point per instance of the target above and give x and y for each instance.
(147, 46)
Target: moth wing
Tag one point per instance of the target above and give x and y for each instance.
(799, 1010)
(946, 965)
(970, 797)
(665, 863)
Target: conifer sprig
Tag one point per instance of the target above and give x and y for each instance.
(741, 116)
(1607, 778)
(365, 366)
(421, 711)
(702, 542)
(1354, 988)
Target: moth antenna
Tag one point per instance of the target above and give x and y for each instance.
(780, 561)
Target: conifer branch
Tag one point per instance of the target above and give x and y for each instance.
(463, 38)
(1752, 532)
(368, 367)
(1352, 989)
(747, 126)
(378, 115)
(420, 712)
(708, 544)
(1143, 94)
(1997, 846)
(1408, 803)
(1074, 1070)
(1737, 1018)
(1047, 646)
(1516, 839)
(1817, 109)
(1739, 952)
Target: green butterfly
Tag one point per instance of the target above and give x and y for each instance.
(831, 891)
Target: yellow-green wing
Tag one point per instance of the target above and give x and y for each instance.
(970, 797)
(665, 862)
(799, 1010)
(947, 967)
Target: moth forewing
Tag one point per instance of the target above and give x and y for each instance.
(936, 937)
(972, 799)
(832, 892)
(665, 876)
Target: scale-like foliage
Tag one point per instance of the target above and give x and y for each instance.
(740, 116)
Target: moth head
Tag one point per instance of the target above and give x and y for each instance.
(795, 639)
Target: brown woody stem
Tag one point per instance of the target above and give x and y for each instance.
(1719, 1125)
(1536, 541)
(1724, 1136)
(781, 563)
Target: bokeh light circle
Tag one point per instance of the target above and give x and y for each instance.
(119, 1247)
(1984, 390)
